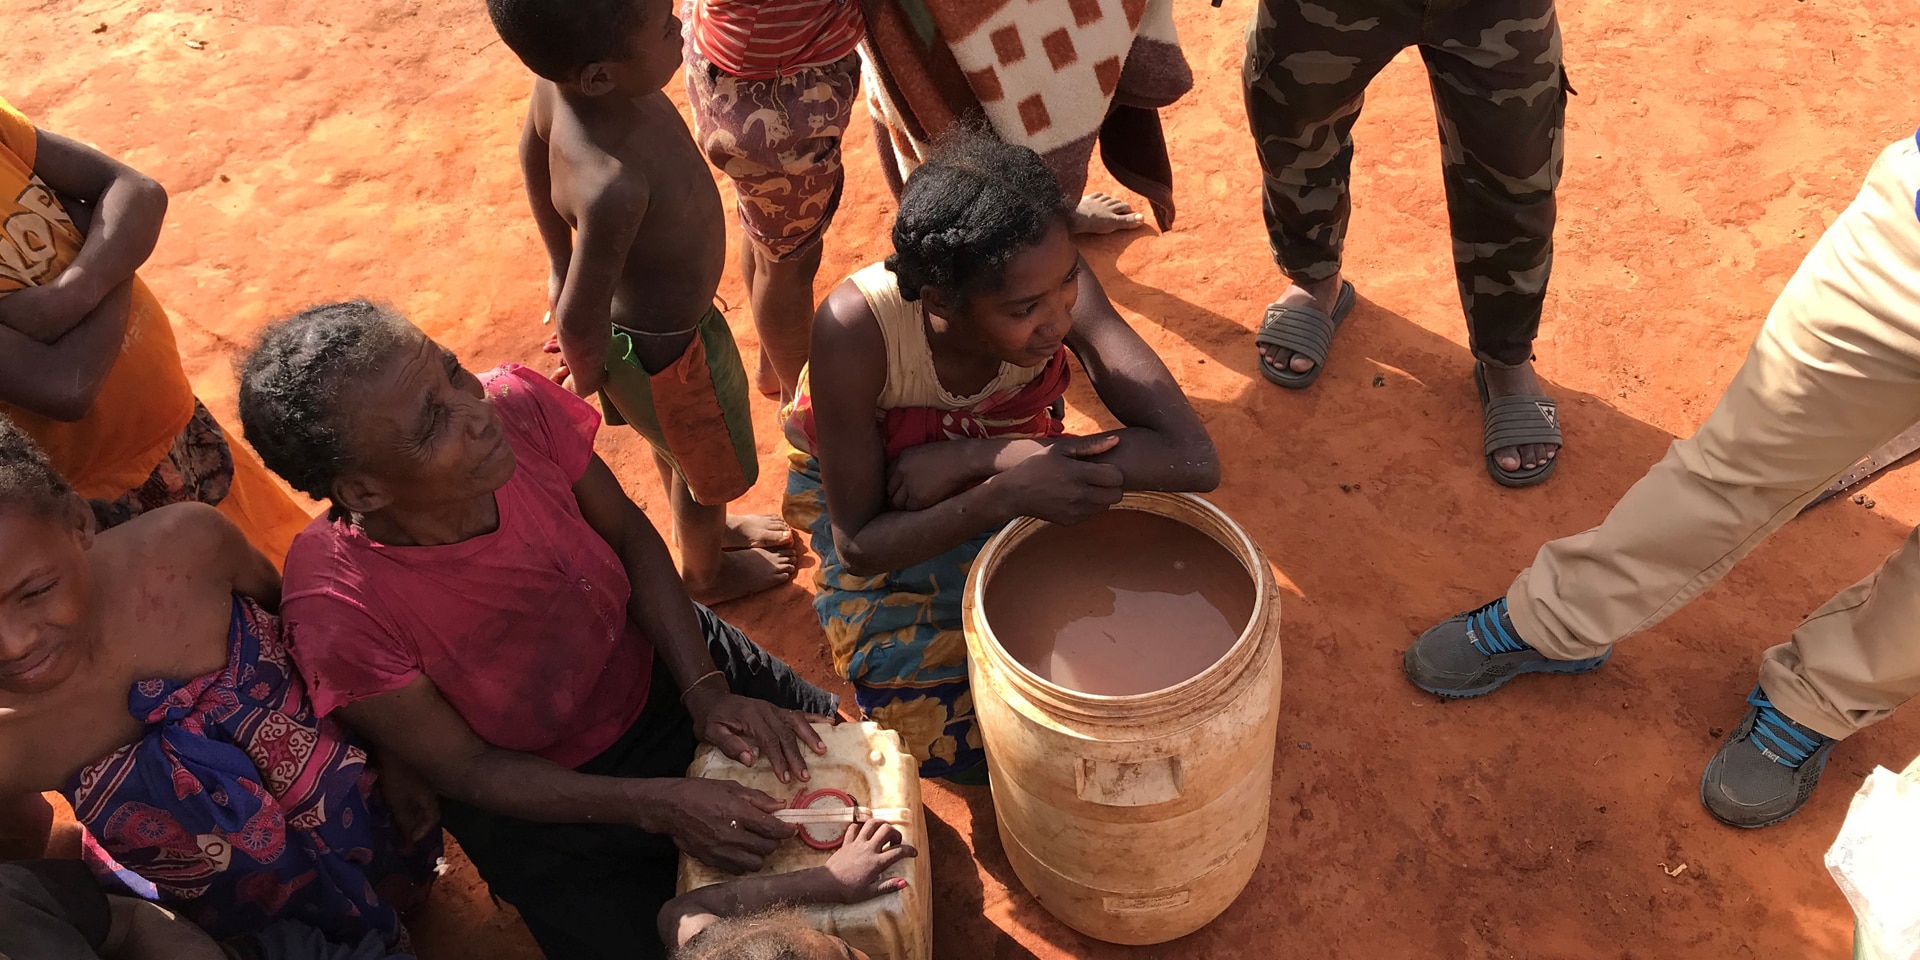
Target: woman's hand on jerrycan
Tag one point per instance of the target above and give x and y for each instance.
(724, 824)
(743, 726)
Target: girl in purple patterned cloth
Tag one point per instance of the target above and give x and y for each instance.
(142, 674)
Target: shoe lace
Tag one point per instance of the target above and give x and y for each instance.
(1489, 634)
(1778, 737)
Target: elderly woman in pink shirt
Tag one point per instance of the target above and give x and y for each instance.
(484, 601)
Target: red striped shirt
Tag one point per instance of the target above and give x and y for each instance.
(764, 39)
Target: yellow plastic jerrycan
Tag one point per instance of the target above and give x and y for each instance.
(869, 765)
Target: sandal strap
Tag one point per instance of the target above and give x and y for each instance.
(1303, 330)
(1519, 421)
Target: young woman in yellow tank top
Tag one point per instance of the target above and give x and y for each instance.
(926, 422)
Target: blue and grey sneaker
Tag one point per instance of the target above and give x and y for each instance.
(1474, 653)
(1767, 768)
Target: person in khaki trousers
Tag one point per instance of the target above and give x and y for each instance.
(1834, 373)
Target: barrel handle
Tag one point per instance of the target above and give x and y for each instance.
(1123, 783)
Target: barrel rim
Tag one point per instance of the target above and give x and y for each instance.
(1093, 706)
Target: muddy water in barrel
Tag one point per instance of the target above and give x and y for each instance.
(1127, 602)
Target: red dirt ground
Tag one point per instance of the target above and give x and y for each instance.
(320, 149)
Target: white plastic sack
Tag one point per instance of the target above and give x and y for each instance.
(1876, 861)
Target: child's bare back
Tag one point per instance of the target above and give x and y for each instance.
(628, 179)
(636, 241)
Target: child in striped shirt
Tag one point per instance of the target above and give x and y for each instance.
(772, 85)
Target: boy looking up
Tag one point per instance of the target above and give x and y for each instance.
(635, 235)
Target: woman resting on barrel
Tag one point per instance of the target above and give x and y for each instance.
(927, 421)
(142, 673)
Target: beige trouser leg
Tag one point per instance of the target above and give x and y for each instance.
(1834, 373)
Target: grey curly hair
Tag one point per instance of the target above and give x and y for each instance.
(294, 387)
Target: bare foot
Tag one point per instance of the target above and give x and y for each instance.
(1518, 381)
(755, 530)
(744, 572)
(1099, 213)
(766, 380)
(1318, 294)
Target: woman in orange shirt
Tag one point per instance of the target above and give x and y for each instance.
(88, 365)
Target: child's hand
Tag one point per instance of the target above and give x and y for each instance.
(585, 359)
(866, 853)
(560, 375)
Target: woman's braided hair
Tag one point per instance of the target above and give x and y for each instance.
(27, 478)
(294, 387)
(968, 211)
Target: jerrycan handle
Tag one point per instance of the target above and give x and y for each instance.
(1120, 783)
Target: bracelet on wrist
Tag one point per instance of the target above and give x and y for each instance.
(691, 687)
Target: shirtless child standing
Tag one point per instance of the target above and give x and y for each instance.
(637, 241)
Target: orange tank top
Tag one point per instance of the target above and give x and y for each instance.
(146, 399)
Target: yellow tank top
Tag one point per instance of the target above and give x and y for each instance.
(911, 378)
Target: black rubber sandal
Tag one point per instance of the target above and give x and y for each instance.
(1517, 422)
(1306, 331)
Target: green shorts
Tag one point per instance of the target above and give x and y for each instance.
(694, 411)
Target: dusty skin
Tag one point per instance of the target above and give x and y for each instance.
(316, 150)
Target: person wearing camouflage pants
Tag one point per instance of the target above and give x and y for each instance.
(1500, 92)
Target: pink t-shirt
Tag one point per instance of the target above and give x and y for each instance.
(524, 630)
